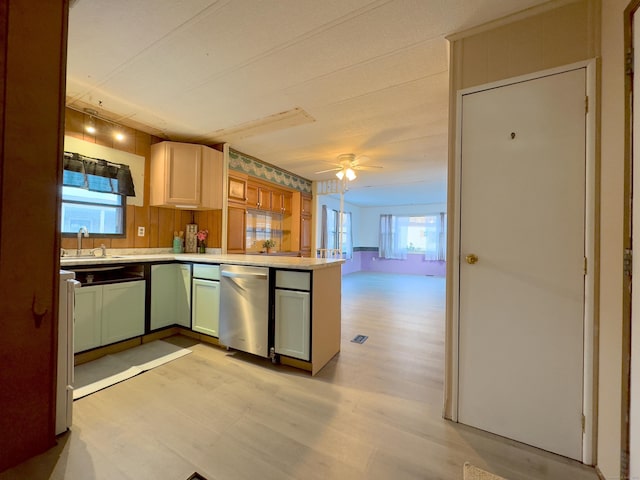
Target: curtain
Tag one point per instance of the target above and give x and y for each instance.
(392, 241)
(97, 175)
(332, 236)
(347, 244)
(442, 238)
(324, 228)
(436, 238)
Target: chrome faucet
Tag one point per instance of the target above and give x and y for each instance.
(102, 248)
(81, 231)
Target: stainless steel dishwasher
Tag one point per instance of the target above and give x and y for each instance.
(244, 308)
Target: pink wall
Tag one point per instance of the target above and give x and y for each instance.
(368, 261)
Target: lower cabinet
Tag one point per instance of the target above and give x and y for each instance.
(122, 311)
(206, 305)
(87, 329)
(293, 314)
(106, 314)
(170, 295)
(205, 311)
(293, 332)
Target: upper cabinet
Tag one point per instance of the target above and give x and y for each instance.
(306, 205)
(262, 197)
(185, 175)
(281, 202)
(305, 225)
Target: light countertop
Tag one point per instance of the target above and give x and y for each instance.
(298, 263)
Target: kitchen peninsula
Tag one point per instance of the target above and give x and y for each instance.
(304, 311)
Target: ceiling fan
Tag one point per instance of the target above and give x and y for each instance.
(348, 164)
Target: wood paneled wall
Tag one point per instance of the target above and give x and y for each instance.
(159, 223)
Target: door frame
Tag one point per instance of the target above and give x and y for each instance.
(590, 299)
(628, 443)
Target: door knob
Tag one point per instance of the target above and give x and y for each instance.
(471, 258)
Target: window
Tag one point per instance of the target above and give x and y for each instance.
(331, 231)
(94, 195)
(101, 213)
(425, 234)
(263, 226)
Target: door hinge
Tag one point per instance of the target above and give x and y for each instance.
(627, 262)
(586, 104)
(585, 265)
(628, 60)
(583, 420)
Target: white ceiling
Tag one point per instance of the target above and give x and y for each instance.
(371, 76)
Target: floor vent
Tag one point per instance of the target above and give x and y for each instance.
(359, 339)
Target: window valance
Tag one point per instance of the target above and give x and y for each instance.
(97, 175)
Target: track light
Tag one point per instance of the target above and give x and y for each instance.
(91, 124)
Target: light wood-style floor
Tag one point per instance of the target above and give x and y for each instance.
(373, 413)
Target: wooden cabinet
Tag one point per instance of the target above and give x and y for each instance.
(236, 228)
(122, 311)
(292, 323)
(87, 318)
(305, 236)
(293, 314)
(264, 198)
(170, 295)
(206, 299)
(185, 175)
(277, 201)
(106, 314)
(258, 196)
(237, 189)
(306, 225)
(306, 205)
(253, 198)
(278, 210)
(206, 306)
(281, 202)
(286, 203)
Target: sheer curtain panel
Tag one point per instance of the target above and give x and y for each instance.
(392, 242)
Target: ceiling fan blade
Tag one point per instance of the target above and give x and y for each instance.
(359, 159)
(367, 167)
(329, 170)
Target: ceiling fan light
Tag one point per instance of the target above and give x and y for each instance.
(340, 174)
(351, 175)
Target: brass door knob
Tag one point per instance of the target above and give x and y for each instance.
(471, 258)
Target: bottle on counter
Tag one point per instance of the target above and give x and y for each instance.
(177, 242)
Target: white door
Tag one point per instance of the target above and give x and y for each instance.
(522, 214)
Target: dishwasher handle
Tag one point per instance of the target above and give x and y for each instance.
(259, 276)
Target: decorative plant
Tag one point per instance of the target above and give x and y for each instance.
(202, 235)
(269, 243)
(202, 240)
